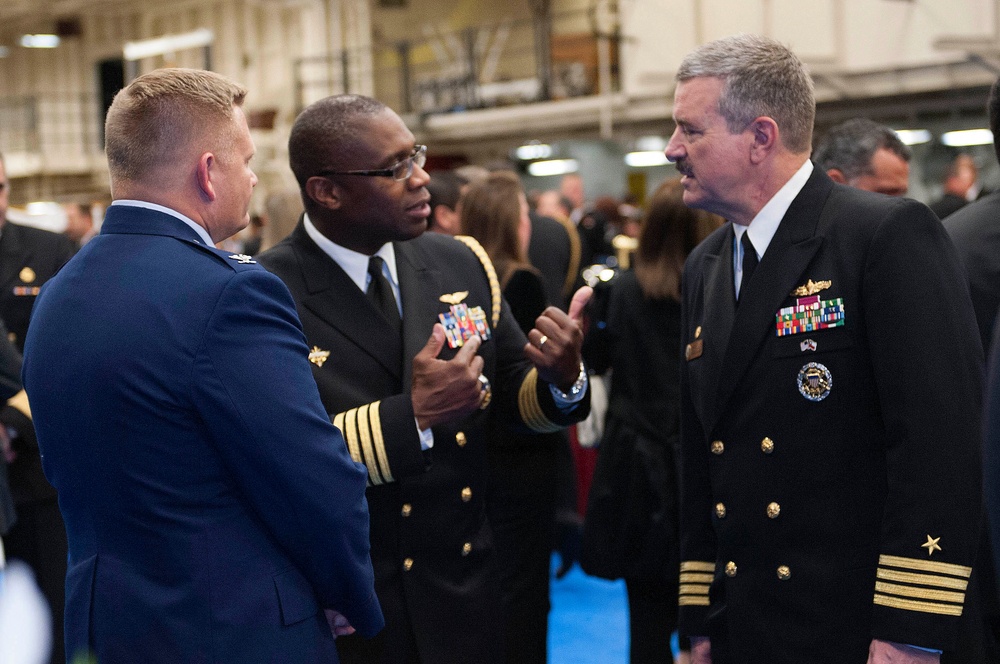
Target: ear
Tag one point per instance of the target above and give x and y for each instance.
(324, 192)
(837, 175)
(203, 174)
(765, 138)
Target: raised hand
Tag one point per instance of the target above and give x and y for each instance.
(554, 343)
(445, 390)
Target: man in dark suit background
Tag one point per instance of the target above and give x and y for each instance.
(830, 460)
(28, 258)
(975, 230)
(865, 155)
(413, 398)
(10, 384)
(212, 509)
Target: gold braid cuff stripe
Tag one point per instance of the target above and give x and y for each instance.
(923, 579)
(914, 605)
(697, 566)
(925, 565)
(529, 407)
(362, 429)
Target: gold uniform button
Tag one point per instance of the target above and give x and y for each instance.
(11, 337)
(27, 275)
(466, 548)
(784, 574)
(407, 508)
(718, 447)
(407, 564)
(460, 439)
(730, 569)
(466, 494)
(720, 510)
(767, 446)
(773, 510)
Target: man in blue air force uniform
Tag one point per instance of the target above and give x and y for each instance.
(212, 509)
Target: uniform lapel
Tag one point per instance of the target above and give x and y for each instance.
(717, 322)
(419, 287)
(780, 270)
(337, 300)
(13, 255)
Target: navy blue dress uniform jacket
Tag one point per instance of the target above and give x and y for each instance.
(812, 525)
(212, 509)
(432, 546)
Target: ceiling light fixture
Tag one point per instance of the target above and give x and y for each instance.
(966, 137)
(553, 167)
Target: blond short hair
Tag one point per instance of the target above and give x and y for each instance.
(152, 120)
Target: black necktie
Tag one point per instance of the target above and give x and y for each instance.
(749, 260)
(380, 294)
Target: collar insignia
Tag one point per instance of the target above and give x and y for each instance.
(454, 298)
(811, 288)
(317, 356)
(243, 259)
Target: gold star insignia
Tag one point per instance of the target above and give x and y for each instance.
(931, 545)
(317, 356)
(811, 288)
(454, 298)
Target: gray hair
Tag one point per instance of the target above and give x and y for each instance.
(850, 146)
(761, 77)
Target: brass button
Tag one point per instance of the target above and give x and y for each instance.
(466, 548)
(407, 508)
(697, 332)
(407, 564)
(773, 510)
(767, 446)
(730, 569)
(460, 439)
(718, 447)
(466, 494)
(720, 510)
(11, 337)
(784, 573)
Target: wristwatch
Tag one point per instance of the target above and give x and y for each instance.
(577, 387)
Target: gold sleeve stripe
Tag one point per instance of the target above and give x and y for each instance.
(693, 589)
(697, 566)
(914, 605)
(695, 600)
(491, 273)
(360, 416)
(529, 408)
(925, 565)
(923, 579)
(691, 577)
(20, 402)
(352, 441)
(919, 593)
(375, 422)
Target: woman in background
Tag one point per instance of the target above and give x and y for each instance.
(631, 525)
(522, 466)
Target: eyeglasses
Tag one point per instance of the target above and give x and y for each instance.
(401, 170)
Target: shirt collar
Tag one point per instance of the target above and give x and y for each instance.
(353, 263)
(763, 226)
(200, 230)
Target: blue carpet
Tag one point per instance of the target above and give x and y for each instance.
(588, 623)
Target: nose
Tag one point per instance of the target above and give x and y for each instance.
(418, 178)
(675, 148)
(253, 179)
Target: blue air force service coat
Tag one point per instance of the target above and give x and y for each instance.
(211, 508)
(830, 435)
(432, 546)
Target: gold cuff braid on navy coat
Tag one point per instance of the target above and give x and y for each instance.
(811, 527)
(431, 543)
